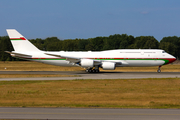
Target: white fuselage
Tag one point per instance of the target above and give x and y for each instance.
(127, 57)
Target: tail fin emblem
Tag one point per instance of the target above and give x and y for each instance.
(21, 38)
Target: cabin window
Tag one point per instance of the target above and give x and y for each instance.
(163, 51)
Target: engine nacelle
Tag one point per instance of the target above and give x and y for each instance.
(108, 66)
(87, 63)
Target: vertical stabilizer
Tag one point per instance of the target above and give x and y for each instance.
(20, 43)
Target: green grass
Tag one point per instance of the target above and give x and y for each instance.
(118, 93)
(35, 66)
(33, 75)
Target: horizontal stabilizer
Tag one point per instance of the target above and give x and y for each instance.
(14, 54)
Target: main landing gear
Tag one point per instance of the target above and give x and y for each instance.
(159, 69)
(91, 70)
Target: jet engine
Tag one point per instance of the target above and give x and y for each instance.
(87, 63)
(108, 66)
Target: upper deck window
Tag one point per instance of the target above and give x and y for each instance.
(130, 52)
(149, 52)
(163, 51)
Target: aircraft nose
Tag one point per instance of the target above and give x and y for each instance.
(172, 59)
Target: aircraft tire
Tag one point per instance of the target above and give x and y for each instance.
(90, 70)
(87, 70)
(97, 71)
(158, 71)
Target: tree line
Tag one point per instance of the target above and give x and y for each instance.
(169, 44)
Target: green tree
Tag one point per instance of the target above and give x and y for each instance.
(39, 43)
(171, 45)
(146, 42)
(168, 47)
(5, 45)
(81, 43)
(52, 44)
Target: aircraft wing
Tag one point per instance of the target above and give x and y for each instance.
(15, 54)
(71, 59)
(76, 59)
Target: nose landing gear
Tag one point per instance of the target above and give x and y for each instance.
(159, 69)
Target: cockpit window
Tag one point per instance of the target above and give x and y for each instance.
(163, 51)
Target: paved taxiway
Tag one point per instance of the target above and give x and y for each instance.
(83, 75)
(89, 113)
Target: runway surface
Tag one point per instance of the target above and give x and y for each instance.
(87, 113)
(83, 75)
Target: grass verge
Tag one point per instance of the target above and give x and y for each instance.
(118, 93)
(35, 66)
(33, 75)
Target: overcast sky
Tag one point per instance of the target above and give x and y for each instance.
(70, 19)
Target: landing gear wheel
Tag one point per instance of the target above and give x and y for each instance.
(90, 70)
(87, 70)
(97, 71)
(159, 69)
(93, 70)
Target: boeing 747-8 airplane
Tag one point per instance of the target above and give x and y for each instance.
(91, 60)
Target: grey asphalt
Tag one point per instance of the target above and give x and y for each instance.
(83, 75)
(89, 114)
